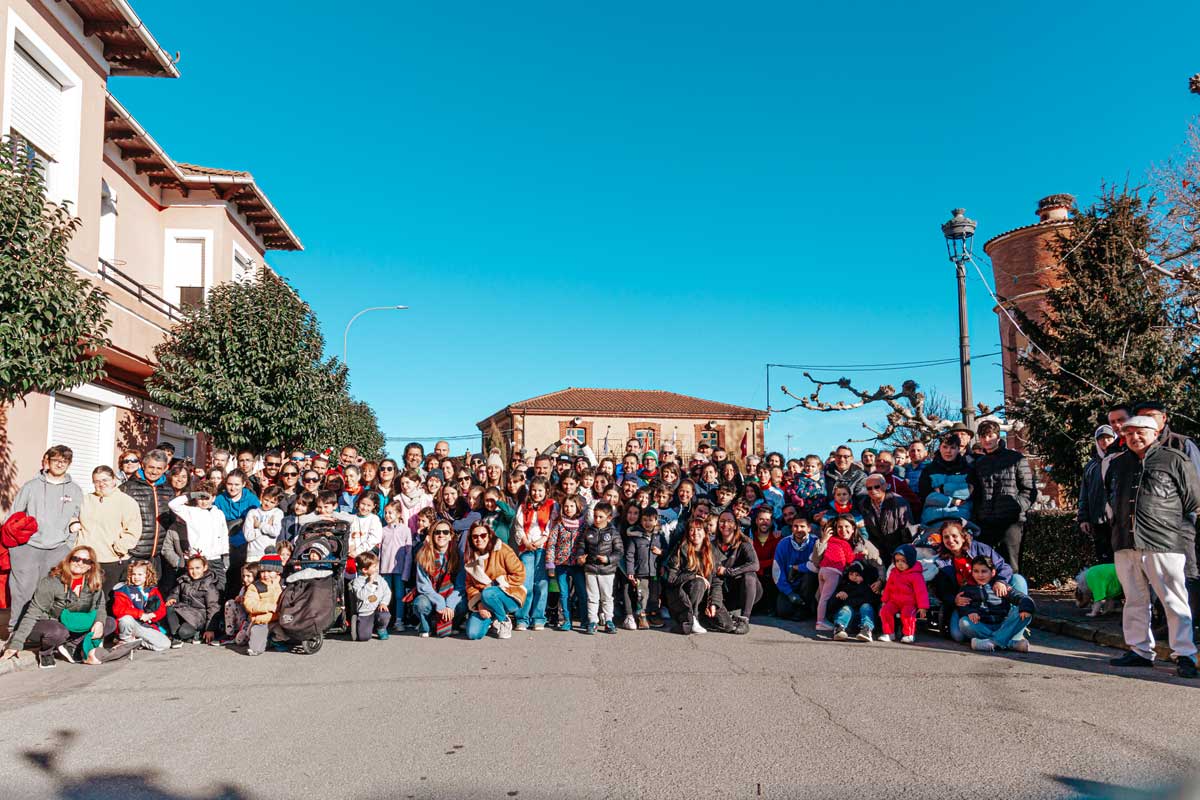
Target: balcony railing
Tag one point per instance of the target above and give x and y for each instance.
(112, 275)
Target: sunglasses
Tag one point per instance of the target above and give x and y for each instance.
(444, 532)
(287, 474)
(387, 469)
(479, 536)
(81, 560)
(874, 488)
(271, 463)
(132, 461)
(297, 458)
(312, 480)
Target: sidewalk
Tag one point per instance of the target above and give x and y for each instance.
(1057, 613)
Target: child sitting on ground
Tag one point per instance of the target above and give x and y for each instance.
(261, 601)
(373, 596)
(855, 599)
(992, 621)
(904, 594)
(138, 607)
(193, 603)
(237, 624)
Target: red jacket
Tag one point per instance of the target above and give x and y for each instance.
(838, 554)
(18, 529)
(901, 487)
(907, 588)
(765, 551)
(124, 604)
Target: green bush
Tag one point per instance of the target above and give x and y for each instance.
(1053, 548)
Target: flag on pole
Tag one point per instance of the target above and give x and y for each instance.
(745, 444)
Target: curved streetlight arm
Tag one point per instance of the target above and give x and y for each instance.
(346, 335)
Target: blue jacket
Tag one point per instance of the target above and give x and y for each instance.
(788, 554)
(1003, 571)
(236, 512)
(912, 474)
(425, 589)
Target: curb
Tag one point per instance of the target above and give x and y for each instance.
(1086, 633)
(26, 659)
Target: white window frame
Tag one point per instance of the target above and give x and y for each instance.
(240, 254)
(62, 176)
(169, 237)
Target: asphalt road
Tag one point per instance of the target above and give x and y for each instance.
(774, 714)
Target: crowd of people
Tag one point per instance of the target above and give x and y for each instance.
(162, 553)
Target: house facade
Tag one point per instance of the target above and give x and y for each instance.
(606, 418)
(156, 234)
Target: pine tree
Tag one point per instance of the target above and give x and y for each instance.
(1113, 331)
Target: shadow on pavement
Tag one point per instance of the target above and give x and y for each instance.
(1095, 790)
(101, 785)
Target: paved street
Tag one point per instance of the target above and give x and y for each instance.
(640, 714)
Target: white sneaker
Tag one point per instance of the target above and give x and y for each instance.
(697, 627)
(504, 629)
(887, 637)
(863, 636)
(537, 626)
(423, 634)
(908, 639)
(630, 624)
(66, 653)
(983, 645)
(1019, 646)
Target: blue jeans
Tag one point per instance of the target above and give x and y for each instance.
(427, 615)
(569, 577)
(1003, 635)
(496, 601)
(395, 582)
(1018, 583)
(866, 617)
(533, 610)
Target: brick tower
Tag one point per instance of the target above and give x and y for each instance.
(1023, 261)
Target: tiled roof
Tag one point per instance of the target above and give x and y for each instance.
(635, 402)
(196, 169)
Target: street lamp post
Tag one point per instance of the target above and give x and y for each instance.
(960, 234)
(346, 335)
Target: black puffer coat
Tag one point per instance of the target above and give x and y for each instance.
(156, 517)
(1007, 486)
(197, 600)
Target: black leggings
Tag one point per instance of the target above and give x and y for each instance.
(743, 592)
(53, 633)
(178, 627)
(1005, 537)
(687, 600)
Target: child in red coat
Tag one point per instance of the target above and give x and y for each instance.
(904, 594)
(138, 608)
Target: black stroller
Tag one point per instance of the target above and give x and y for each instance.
(313, 602)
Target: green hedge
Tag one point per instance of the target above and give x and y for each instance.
(1053, 548)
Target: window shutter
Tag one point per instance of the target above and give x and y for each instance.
(77, 425)
(37, 104)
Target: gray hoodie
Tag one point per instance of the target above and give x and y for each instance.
(53, 505)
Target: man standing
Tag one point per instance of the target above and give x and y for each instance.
(414, 457)
(1155, 494)
(150, 489)
(441, 450)
(1093, 501)
(844, 470)
(1007, 491)
(54, 501)
(918, 459)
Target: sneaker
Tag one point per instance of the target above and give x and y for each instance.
(252, 652)
(520, 626)
(66, 653)
(221, 642)
(1131, 659)
(504, 629)
(630, 624)
(176, 644)
(565, 625)
(382, 633)
(1019, 646)
(839, 633)
(864, 635)
(983, 645)
(423, 634)
(609, 627)
(1185, 667)
(538, 626)
(643, 624)
(824, 626)
(591, 628)
(887, 637)
(46, 660)
(656, 621)
(908, 639)
(697, 627)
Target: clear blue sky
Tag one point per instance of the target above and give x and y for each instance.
(664, 195)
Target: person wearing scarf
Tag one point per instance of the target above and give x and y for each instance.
(495, 583)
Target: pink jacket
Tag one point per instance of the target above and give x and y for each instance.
(907, 588)
(410, 508)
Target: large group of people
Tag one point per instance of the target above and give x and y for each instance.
(162, 553)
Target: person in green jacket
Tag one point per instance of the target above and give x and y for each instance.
(497, 514)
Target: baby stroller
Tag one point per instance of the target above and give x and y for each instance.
(313, 601)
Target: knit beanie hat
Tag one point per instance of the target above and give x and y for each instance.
(855, 566)
(271, 562)
(494, 460)
(909, 552)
